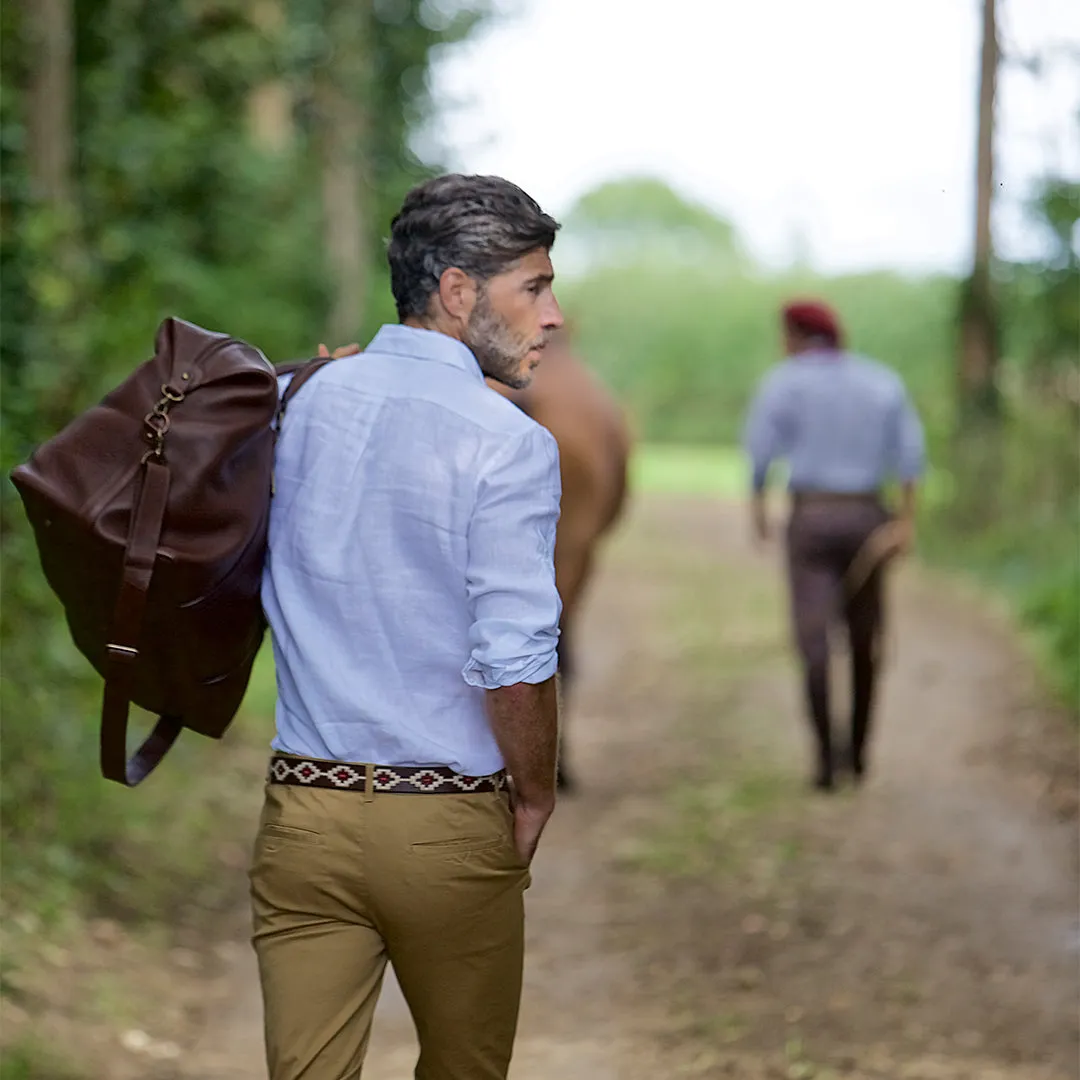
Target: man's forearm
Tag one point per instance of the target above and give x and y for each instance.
(525, 720)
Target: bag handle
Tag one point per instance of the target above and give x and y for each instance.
(122, 652)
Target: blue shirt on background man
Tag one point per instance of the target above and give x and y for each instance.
(843, 423)
(410, 562)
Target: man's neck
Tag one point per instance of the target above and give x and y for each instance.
(815, 345)
(817, 352)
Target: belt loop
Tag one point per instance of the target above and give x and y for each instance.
(369, 782)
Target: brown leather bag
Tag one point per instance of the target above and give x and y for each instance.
(150, 513)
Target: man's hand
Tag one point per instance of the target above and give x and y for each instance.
(529, 823)
(760, 517)
(340, 351)
(525, 722)
(902, 527)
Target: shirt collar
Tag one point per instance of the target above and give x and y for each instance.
(819, 356)
(396, 339)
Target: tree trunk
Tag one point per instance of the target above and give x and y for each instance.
(49, 102)
(270, 104)
(341, 138)
(978, 316)
(54, 308)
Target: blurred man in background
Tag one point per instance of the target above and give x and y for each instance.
(845, 427)
(410, 591)
(594, 451)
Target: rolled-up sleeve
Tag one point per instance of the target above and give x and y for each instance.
(513, 602)
(763, 433)
(909, 440)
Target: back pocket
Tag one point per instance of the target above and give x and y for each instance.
(460, 845)
(272, 836)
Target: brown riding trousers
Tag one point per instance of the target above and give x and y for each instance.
(825, 533)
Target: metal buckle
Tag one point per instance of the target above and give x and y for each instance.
(156, 422)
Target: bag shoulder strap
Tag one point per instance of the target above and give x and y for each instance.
(301, 371)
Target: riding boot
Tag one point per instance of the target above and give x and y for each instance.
(817, 694)
(862, 701)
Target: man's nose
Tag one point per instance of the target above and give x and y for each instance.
(553, 316)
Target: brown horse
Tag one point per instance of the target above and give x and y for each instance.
(594, 449)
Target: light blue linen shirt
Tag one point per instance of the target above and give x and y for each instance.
(410, 563)
(843, 423)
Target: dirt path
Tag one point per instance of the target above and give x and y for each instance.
(696, 912)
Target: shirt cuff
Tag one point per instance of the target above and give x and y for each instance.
(530, 669)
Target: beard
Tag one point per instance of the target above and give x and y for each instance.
(499, 351)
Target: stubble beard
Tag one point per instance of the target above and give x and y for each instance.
(498, 350)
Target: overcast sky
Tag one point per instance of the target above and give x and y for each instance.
(850, 123)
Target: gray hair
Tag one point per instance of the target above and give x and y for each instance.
(480, 224)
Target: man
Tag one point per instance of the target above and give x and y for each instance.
(846, 426)
(593, 438)
(411, 595)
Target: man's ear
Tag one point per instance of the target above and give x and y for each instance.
(457, 293)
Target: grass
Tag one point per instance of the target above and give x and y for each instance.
(31, 1059)
(719, 471)
(705, 832)
(723, 472)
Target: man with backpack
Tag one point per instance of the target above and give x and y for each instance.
(410, 591)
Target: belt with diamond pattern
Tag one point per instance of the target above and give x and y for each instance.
(400, 779)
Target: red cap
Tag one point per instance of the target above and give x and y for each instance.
(813, 318)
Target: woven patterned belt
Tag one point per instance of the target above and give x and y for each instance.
(402, 779)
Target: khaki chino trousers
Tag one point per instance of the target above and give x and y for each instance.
(344, 881)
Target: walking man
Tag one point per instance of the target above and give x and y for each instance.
(845, 426)
(411, 596)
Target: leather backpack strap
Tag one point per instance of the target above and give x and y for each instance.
(301, 371)
(123, 649)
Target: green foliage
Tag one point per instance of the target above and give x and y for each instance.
(73, 841)
(176, 212)
(1014, 519)
(1053, 607)
(1049, 292)
(1019, 531)
(685, 348)
(642, 214)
